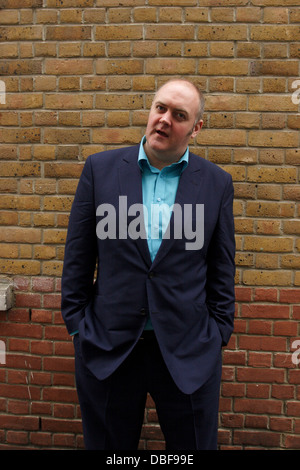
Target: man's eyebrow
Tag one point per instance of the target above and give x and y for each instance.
(175, 109)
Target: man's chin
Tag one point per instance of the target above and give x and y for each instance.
(158, 144)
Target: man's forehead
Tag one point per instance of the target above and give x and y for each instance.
(181, 94)
(180, 86)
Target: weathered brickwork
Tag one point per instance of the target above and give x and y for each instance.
(79, 77)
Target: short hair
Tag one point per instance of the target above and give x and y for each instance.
(196, 88)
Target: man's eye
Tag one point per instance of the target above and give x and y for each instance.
(181, 116)
(160, 108)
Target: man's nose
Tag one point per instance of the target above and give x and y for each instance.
(166, 118)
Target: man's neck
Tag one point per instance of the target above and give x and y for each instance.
(159, 161)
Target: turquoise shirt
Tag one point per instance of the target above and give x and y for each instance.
(159, 192)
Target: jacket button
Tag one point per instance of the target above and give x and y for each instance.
(143, 311)
(151, 275)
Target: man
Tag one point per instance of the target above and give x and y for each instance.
(162, 305)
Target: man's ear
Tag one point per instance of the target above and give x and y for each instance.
(197, 128)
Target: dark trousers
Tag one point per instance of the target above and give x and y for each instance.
(113, 409)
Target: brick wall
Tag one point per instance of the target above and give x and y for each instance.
(79, 78)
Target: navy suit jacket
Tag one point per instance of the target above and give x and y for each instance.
(189, 294)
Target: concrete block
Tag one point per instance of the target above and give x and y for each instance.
(6, 294)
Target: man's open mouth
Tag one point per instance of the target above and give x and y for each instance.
(162, 133)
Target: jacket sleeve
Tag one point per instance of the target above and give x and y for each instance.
(221, 267)
(80, 252)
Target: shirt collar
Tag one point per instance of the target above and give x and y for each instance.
(143, 159)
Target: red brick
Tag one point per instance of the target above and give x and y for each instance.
(285, 328)
(258, 406)
(243, 294)
(43, 284)
(263, 343)
(258, 438)
(265, 311)
(260, 375)
(60, 425)
(28, 300)
(265, 295)
(260, 359)
(258, 390)
(290, 296)
(256, 422)
(293, 409)
(292, 442)
(52, 301)
(283, 392)
(16, 438)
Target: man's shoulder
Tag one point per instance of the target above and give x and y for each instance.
(112, 156)
(210, 168)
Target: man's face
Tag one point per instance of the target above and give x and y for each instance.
(171, 123)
